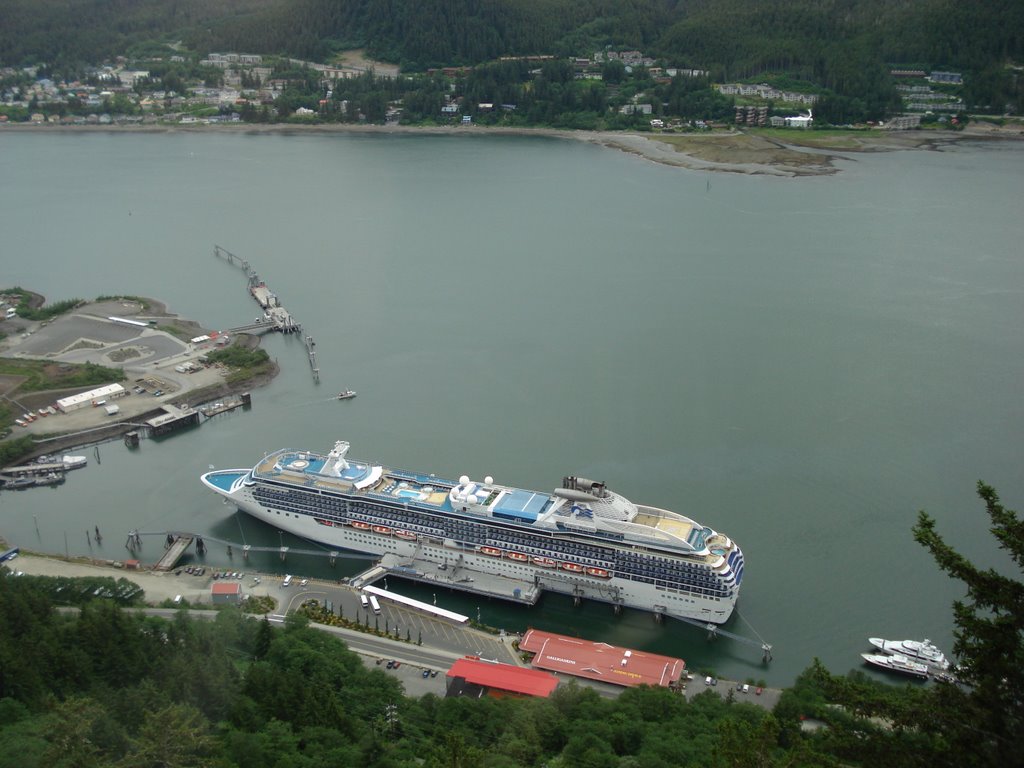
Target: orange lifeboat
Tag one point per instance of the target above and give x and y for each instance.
(490, 551)
(323, 522)
(360, 525)
(383, 529)
(519, 557)
(407, 535)
(544, 562)
(571, 567)
(601, 573)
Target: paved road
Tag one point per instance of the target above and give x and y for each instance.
(442, 641)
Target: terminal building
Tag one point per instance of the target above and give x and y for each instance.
(600, 661)
(474, 678)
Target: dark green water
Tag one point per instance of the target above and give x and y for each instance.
(802, 364)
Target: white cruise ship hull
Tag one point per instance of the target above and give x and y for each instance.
(375, 511)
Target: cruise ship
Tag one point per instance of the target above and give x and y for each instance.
(581, 539)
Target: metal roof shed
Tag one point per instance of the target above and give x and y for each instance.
(503, 678)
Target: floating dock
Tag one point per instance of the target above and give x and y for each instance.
(453, 575)
(172, 419)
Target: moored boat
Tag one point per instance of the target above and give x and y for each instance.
(50, 478)
(73, 462)
(641, 556)
(896, 663)
(921, 651)
(17, 483)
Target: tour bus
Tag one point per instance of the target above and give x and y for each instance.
(375, 605)
(287, 581)
(363, 601)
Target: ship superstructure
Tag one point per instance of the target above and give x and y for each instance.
(581, 539)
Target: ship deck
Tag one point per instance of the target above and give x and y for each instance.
(305, 469)
(678, 528)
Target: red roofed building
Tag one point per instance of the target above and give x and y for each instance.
(472, 677)
(600, 661)
(226, 592)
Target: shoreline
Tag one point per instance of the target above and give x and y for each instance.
(763, 152)
(86, 427)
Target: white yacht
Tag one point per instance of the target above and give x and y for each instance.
(921, 651)
(896, 663)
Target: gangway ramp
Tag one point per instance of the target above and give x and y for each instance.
(433, 610)
(174, 553)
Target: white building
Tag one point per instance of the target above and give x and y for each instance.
(92, 397)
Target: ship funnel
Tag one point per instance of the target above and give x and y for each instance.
(336, 463)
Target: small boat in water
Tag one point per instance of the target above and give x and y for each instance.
(348, 394)
(921, 651)
(73, 462)
(17, 483)
(50, 478)
(896, 663)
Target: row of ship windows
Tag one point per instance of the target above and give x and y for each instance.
(636, 570)
(632, 577)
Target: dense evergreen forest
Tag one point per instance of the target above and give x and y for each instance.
(844, 46)
(112, 687)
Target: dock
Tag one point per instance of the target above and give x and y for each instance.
(209, 410)
(275, 316)
(454, 576)
(35, 469)
(178, 547)
(172, 419)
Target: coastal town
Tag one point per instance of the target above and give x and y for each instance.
(226, 88)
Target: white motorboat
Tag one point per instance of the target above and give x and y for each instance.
(73, 462)
(348, 394)
(921, 651)
(896, 663)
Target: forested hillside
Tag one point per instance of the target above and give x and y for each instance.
(845, 46)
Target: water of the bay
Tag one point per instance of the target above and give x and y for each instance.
(802, 364)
